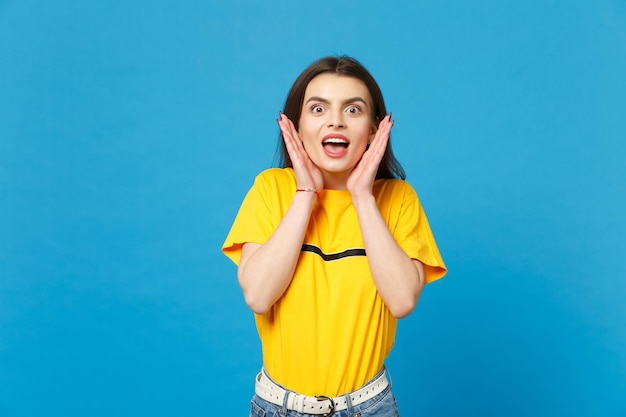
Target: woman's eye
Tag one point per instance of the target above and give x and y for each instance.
(354, 109)
(317, 108)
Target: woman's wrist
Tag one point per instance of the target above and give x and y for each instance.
(363, 199)
(307, 190)
(304, 197)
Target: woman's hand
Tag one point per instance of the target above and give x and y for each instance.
(398, 278)
(308, 175)
(361, 179)
(266, 270)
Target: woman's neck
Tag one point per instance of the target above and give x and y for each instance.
(335, 181)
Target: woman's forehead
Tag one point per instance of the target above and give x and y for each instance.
(330, 85)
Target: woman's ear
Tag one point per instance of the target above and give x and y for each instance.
(373, 131)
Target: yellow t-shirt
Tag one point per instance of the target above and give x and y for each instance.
(330, 332)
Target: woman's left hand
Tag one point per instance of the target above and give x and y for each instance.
(361, 179)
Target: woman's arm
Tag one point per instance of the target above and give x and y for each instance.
(265, 271)
(398, 278)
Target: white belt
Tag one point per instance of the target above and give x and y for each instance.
(275, 394)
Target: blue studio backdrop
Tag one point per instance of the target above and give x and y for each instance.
(131, 131)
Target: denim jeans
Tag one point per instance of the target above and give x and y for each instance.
(382, 405)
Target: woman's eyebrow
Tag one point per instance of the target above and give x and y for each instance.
(315, 98)
(326, 101)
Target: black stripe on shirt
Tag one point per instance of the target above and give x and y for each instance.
(332, 256)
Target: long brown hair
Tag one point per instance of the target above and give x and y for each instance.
(346, 66)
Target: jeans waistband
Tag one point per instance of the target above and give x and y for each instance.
(270, 391)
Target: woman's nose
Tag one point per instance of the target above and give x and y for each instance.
(336, 119)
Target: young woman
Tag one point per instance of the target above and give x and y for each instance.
(332, 249)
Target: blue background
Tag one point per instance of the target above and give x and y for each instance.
(130, 131)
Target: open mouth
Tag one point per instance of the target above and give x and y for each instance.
(335, 145)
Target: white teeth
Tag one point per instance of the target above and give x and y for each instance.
(335, 140)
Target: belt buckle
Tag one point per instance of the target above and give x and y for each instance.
(332, 404)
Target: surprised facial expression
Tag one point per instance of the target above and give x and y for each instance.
(336, 125)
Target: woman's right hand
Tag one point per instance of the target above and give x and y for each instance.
(266, 270)
(308, 175)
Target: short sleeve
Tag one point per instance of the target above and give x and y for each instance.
(254, 221)
(415, 237)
